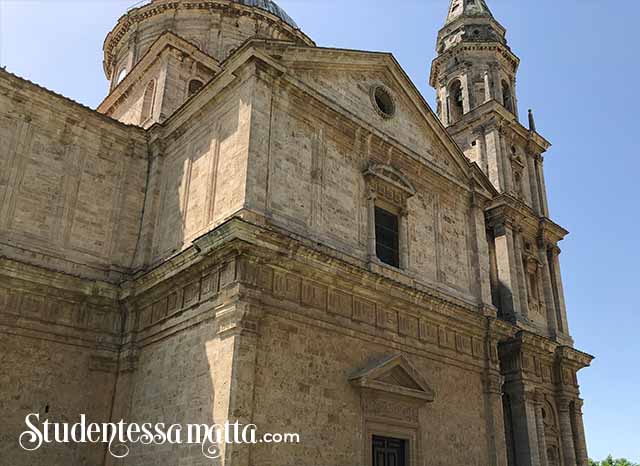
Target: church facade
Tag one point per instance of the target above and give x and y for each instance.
(254, 228)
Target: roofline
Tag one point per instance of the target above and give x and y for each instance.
(165, 40)
(83, 107)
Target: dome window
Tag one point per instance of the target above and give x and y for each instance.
(383, 101)
(121, 75)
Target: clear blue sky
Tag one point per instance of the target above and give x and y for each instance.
(579, 71)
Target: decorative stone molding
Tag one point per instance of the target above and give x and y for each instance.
(389, 183)
(383, 101)
(396, 376)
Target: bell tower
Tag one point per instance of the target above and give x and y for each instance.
(474, 63)
(474, 74)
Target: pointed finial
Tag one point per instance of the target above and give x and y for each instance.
(532, 121)
(470, 8)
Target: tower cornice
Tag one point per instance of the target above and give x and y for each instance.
(503, 51)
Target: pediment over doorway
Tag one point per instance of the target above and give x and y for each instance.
(394, 375)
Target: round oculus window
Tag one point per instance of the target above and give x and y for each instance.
(383, 101)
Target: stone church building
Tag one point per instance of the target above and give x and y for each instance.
(254, 228)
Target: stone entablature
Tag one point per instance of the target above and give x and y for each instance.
(203, 278)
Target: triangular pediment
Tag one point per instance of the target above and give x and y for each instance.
(152, 55)
(344, 79)
(394, 375)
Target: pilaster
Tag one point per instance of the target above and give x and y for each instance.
(542, 188)
(556, 276)
(524, 426)
(547, 286)
(566, 432)
(542, 442)
(507, 270)
(582, 456)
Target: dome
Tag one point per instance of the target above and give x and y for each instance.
(215, 27)
(272, 8)
(266, 5)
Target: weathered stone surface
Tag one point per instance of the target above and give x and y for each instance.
(210, 256)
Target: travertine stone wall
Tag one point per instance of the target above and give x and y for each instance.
(202, 175)
(307, 162)
(71, 183)
(310, 365)
(129, 109)
(59, 340)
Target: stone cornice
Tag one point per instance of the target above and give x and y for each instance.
(493, 114)
(257, 50)
(575, 359)
(506, 209)
(6, 75)
(502, 50)
(551, 232)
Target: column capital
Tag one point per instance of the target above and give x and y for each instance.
(564, 402)
(494, 383)
(503, 226)
(538, 397)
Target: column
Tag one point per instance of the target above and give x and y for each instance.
(523, 295)
(542, 189)
(525, 430)
(480, 246)
(467, 95)
(497, 80)
(559, 290)
(507, 270)
(487, 87)
(547, 288)
(403, 231)
(371, 237)
(482, 149)
(533, 184)
(566, 433)
(495, 170)
(514, 98)
(507, 169)
(447, 108)
(582, 457)
(542, 441)
(494, 415)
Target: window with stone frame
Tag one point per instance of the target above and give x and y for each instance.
(148, 101)
(393, 394)
(387, 451)
(389, 191)
(387, 237)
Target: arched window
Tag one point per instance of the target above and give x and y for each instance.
(507, 96)
(120, 76)
(194, 86)
(147, 101)
(456, 102)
